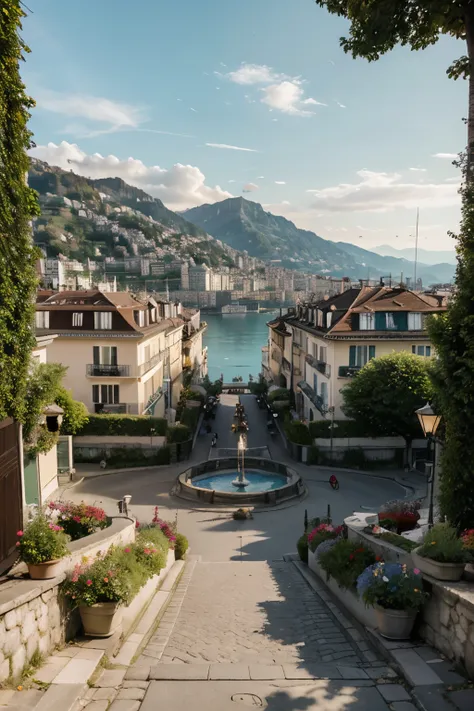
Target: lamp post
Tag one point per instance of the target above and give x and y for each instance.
(429, 422)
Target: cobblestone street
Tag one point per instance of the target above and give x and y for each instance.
(248, 612)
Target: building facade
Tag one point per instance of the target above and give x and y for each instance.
(318, 346)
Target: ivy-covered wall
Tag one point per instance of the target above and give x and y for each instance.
(17, 206)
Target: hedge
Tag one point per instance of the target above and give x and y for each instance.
(298, 432)
(178, 433)
(190, 417)
(342, 428)
(127, 457)
(124, 426)
(280, 394)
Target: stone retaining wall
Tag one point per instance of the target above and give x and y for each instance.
(33, 615)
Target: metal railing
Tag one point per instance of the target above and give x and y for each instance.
(154, 360)
(103, 408)
(316, 399)
(286, 365)
(108, 371)
(319, 365)
(348, 371)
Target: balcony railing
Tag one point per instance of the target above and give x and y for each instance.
(276, 355)
(317, 400)
(319, 365)
(286, 365)
(154, 360)
(102, 408)
(348, 371)
(108, 371)
(193, 332)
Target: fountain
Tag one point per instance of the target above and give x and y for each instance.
(241, 482)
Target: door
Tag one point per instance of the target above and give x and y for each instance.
(10, 490)
(30, 469)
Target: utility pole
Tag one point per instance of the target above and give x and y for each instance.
(416, 244)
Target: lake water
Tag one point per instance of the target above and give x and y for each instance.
(235, 344)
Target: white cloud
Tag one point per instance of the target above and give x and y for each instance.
(313, 102)
(281, 92)
(383, 192)
(261, 177)
(445, 156)
(231, 181)
(250, 188)
(341, 106)
(286, 97)
(231, 148)
(418, 170)
(280, 182)
(193, 110)
(179, 187)
(254, 74)
(91, 108)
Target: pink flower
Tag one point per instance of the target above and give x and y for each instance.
(416, 571)
(17, 543)
(19, 533)
(75, 578)
(77, 519)
(146, 551)
(127, 550)
(88, 582)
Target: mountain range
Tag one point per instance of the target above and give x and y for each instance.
(424, 255)
(245, 225)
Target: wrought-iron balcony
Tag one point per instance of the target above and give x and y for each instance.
(108, 371)
(154, 360)
(313, 397)
(319, 365)
(348, 371)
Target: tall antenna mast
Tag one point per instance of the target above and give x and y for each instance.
(167, 290)
(416, 243)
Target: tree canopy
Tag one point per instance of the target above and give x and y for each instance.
(387, 391)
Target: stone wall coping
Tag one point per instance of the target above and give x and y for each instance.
(16, 591)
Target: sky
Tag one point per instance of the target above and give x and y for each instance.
(195, 102)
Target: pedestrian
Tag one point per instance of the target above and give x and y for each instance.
(334, 482)
(216, 436)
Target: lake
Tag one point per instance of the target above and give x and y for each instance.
(235, 344)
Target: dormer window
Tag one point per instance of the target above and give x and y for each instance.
(103, 320)
(414, 322)
(367, 322)
(139, 318)
(42, 319)
(77, 319)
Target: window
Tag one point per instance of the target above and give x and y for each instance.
(320, 318)
(315, 383)
(324, 393)
(421, 350)
(360, 355)
(367, 322)
(328, 319)
(103, 320)
(106, 394)
(42, 319)
(414, 322)
(389, 322)
(105, 355)
(77, 319)
(323, 354)
(139, 318)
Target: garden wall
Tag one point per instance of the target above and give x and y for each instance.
(446, 620)
(33, 615)
(381, 449)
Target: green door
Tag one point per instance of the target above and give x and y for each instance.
(31, 481)
(63, 456)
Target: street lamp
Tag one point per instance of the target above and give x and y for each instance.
(429, 422)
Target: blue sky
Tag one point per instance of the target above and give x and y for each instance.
(340, 146)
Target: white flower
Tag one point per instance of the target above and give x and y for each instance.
(385, 579)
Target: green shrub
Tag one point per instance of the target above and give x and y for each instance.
(395, 540)
(321, 429)
(354, 458)
(79, 520)
(441, 544)
(178, 433)
(323, 532)
(391, 586)
(313, 455)
(136, 457)
(42, 541)
(345, 561)
(190, 417)
(279, 394)
(302, 547)
(181, 546)
(124, 426)
(297, 432)
(163, 456)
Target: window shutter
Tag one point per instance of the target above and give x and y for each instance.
(95, 393)
(355, 322)
(116, 394)
(113, 355)
(352, 356)
(96, 351)
(371, 352)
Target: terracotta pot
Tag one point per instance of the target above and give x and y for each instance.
(44, 571)
(102, 619)
(395, 624)
(441, 571)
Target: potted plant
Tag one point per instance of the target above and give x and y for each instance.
(399, 515)
(442, 554)
(41, 546)
(468, 543)
(99, 590)
(395, 593)
(78, 520)
(323, 532)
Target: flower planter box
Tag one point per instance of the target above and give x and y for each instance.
(352, 603)
(44, 571)
(386, 550)
(395, 624)
(102, 619)
(440, 571)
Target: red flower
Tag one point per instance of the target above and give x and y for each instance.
(351, 557)
(19, 533)
(88, 582)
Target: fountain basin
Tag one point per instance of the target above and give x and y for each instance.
(215, 482)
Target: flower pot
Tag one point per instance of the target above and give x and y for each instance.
(102, 619)
(395, 624)
(44, 571)
(469, 572)
(441, 571)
